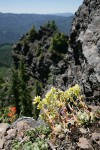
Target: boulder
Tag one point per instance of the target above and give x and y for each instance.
(3, 128)
(84, 144)
(2, 140)
(96, 138)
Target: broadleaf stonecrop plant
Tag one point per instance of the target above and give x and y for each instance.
(61, 107)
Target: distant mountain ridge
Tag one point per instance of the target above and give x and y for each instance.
(64, 14)
(13, 26)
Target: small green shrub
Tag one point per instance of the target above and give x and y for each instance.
(59, 43)
(38, 140)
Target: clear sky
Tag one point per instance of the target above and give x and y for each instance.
(39, 6)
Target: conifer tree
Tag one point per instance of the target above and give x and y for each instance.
(15, 89)
(21, 91)
(60, 43)
(4, 93)
(1, 92)
(25, 93)
(32, 34)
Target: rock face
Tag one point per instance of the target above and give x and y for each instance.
(45, 65)
(79, 64)
(85, 42)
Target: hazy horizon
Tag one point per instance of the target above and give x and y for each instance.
(57, 13)
(39, 7)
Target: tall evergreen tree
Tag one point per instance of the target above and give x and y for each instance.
(4, 93)
(26, 98)
(1, 92)
(15, 89)
(21, 91)
(32, 34)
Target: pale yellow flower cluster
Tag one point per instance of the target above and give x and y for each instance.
(56, 103)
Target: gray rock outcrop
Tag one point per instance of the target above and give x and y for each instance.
(85, 42)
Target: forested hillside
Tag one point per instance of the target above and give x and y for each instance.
(5, 58)
(5, 55)
(13, 26)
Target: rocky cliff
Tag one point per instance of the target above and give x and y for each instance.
(77, 63)
(85, 42)
(45, 55)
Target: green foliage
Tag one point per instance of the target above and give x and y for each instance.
(1, 81)
(38, 138)
(5, 55)
(40, 144)
(32, 34)
(21, 91)
(7, 114)
(25, 96)
(5, 59)
(15, 89)
(27, 145)
(59, 108)
(51, 78)
(24, 40)
(3, 114)
(53, 26)
(98, 113)
(37, 132)
(59, 43)
(37, 88)
(38, 51)
(50, 25)
(5, 72)
(85, 117)
(37, 91)
(4, 93)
